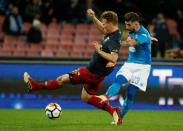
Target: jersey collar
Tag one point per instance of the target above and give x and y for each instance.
(139, 29)
(112, 32)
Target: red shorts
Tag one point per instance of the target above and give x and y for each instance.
(91, 82)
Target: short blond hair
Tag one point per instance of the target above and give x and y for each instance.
(110, 16)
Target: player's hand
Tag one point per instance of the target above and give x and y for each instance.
(91, 13)
(97, 46)
(175, 53)
(154, 40)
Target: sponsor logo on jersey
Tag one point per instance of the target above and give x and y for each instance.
(144, 35)
(110, 64)
(106, 39)
(132, 49)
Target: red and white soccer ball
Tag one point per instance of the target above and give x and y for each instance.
(53, 110)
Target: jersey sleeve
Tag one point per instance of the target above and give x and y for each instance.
(113, 46)
(142, 38)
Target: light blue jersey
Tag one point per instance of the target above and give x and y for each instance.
(141, 53)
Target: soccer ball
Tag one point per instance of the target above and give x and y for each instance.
(53, 110)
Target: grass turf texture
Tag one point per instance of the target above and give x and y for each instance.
(89, 120)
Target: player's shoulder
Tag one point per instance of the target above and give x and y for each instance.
(116, 36)
(117, 33)
(144, 32)
(111, 41)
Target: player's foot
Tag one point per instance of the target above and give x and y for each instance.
(29, 82)
(104, 98)
(113, 122)
(117, 117)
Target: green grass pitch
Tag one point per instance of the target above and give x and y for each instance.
(89, 120)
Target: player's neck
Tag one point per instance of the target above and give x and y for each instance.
(113, 29)
(138, 28)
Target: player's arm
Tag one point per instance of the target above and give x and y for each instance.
(112, 57)
(97, 23)
(129, 43)
(139, 40)
(154, 39)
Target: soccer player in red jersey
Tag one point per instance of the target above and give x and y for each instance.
(101, 65)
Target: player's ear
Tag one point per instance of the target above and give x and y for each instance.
(135, 23)
(110, 23)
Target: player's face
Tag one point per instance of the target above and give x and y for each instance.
(130, 26)
(106, 25)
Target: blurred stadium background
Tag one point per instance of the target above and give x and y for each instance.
(65, 44)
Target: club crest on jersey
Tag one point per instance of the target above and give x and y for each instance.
(129, 37)
(106, 39)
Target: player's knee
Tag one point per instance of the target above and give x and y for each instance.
(85, 97)
(60, 80)
(110, 92)
(63, 79)
(121, 80)
(116, 86)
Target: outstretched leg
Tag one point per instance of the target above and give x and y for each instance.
(52, 84)
(130, 94)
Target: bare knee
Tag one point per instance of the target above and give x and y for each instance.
(63, 79)
(85, 96)
(59, 80)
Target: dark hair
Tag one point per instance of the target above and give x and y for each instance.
(131, 16)
(110, 16)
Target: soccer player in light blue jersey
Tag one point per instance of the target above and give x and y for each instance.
(135, 71)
